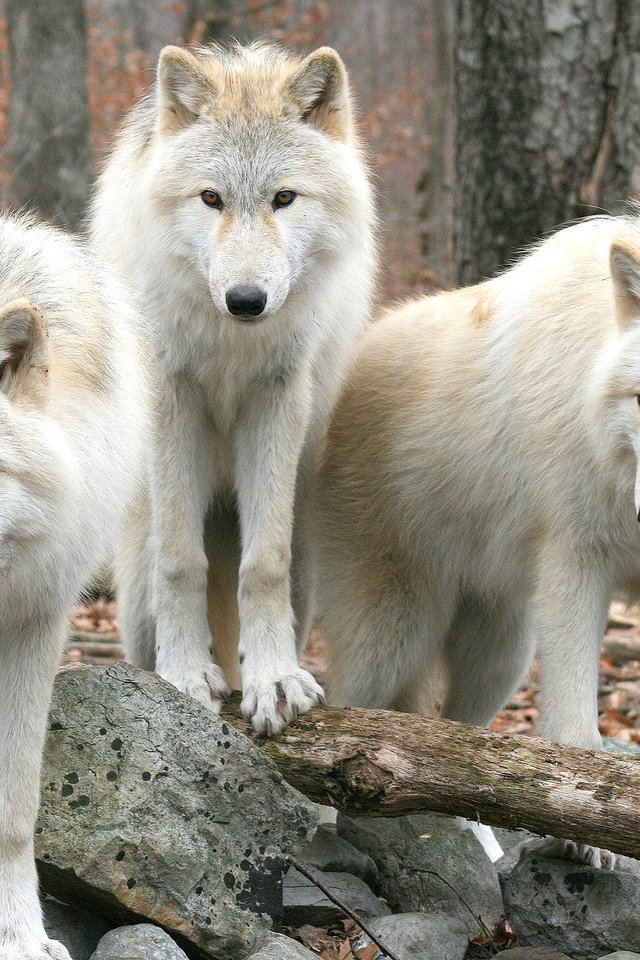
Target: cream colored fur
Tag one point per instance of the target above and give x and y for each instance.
(73, 434)
(242, 403)
(479, 492)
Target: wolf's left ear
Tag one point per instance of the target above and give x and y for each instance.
(319, 89)
(184, 86)
(624, 261)
(24, 351)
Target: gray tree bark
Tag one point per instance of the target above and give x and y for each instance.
(548, 121)
(50, 143)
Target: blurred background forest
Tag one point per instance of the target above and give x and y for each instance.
(488, 122)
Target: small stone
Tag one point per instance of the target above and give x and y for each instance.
(420, 859)
(78, 930)
(327, 851)
(418, 936)
(277, 947)
(305, 903)
(534, 953)
(574, 908)
(621, 747)
(141, 942)
(621, 955)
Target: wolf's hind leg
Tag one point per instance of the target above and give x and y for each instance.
(133, 572)
(384, 635)
(487, 652)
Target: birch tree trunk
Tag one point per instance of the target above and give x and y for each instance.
(50, 145)
(548, 121)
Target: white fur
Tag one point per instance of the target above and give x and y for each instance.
(241, 406)
(477, 494)
(70, 449)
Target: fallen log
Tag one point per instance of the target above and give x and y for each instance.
(380, 763)
(620, 647)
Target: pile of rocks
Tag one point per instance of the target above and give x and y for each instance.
(164, 835)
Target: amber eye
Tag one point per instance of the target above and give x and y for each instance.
(212, 199)
(284, 198)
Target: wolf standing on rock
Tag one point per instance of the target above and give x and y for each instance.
(238, 206)
(73, 434)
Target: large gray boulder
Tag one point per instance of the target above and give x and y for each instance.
(574, 908)
(153, 808)
(305, 903)
(426, 863)
(418, 936)
(140, 942)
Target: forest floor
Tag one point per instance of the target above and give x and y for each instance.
(95, 639)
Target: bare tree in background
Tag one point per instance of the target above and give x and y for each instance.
(221, 19)
(435, 186)
(50, 145)
(548, 120)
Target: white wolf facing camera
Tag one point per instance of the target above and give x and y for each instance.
(73, 431)
(480, 489)
(238, 206)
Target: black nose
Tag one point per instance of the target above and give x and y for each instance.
(246, 299)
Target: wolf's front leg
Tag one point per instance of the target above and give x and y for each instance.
(29, 653)
(179, 493)
(570, 614)
(269, 442)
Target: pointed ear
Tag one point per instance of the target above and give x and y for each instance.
(24, 350)
(184, 86)
(624, 261)
(319, 90)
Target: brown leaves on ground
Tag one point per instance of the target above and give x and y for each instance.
(336, 942)
(97, 616)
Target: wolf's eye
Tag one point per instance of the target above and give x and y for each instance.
(284, 198)
(212, 199)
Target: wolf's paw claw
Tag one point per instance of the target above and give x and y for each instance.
(271, 704)
(207, 685)
(570, 850)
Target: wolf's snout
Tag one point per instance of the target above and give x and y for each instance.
(246, 300)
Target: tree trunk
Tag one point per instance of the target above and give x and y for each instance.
(380, 763)
(50, 146)
(434, 188)
(548, 121)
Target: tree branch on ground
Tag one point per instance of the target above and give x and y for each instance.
(380, 763)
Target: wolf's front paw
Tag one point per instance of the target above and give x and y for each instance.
(32, 948)
(206, 684)
(270, 704)
(570, 850)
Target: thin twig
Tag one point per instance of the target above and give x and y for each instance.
(475, 916)
(305, 871)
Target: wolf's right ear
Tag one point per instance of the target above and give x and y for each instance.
(184, 86)
(624, 262)
(24, 351)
